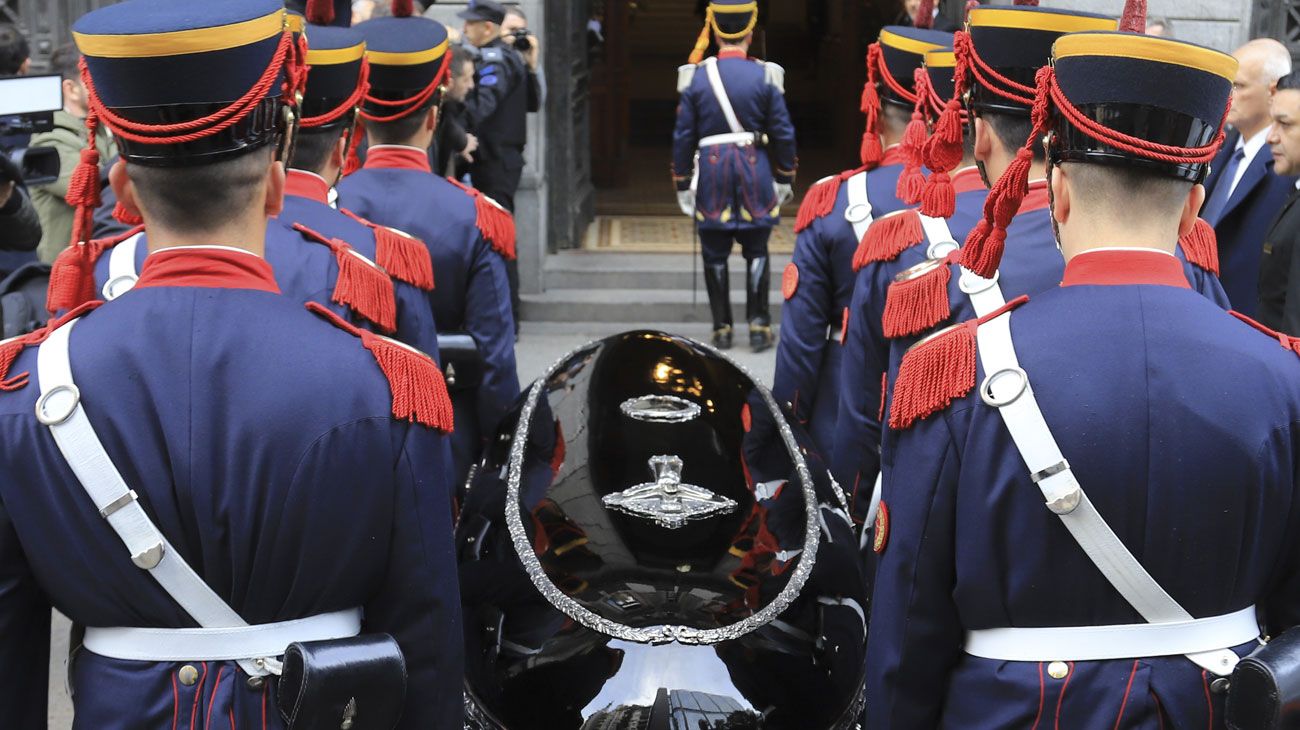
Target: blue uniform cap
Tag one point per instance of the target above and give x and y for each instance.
(408, 61)
(334, 57)
(902, 50)
(484, 10)
(162, 62)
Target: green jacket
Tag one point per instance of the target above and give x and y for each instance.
(69, 138)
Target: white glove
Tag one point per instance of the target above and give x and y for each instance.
(784, 193)
(686, 201)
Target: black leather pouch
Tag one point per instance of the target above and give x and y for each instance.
(1265, 689)
(357, 683)
(462, 364)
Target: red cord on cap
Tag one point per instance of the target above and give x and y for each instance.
(911, 182)
(924, 15)
(1134, 19)
(409, 104)
(358, 94)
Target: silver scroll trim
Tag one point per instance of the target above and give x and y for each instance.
(666, 500)
(655, 408)
(666, 633)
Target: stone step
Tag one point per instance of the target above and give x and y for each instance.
(641, 271)
(633, 305)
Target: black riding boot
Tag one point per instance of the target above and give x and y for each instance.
(756, 308)
(717, 283)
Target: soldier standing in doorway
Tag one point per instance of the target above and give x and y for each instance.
(733, 119)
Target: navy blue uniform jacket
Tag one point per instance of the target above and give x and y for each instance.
(261, 442)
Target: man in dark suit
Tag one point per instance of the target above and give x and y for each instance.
(1279, 276)
(1243, 192)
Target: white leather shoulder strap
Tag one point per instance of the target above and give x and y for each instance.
(59, 408)
(859, 210)
(121, 268)
(1006, 387)
(720, 91)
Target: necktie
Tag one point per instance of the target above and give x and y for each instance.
(1213, 209)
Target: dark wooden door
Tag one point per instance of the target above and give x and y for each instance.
(609, 100)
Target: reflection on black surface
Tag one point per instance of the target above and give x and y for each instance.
(531, 666)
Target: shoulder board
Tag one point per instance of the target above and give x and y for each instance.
(939, 370)
(819, 201)
(917, 299)
(1201, 247)
(405, 257)
(774, 74)
(11, 348)
(493, 221)
(362, 285)
(72, 276)
(888, 236)
(685, 75)
(418, 388)
(1290, 343)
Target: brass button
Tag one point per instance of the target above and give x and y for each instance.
(1058, 670)
(188, 675)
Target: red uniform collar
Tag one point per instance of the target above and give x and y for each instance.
(1037, 199)
(397, 157)
(967, 180)
(207, 267)
(732, 53)
(1121, 267)
(303, 184)
(893, 155)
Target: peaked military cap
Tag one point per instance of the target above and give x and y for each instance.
(337, 78)
(151, 65)
(902, 52)
(409, 60)
(730, 20)
(484, 10)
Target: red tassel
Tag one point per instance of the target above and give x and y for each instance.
(83, 186)
(939, 200)
(1201, 246)
(982, 253)
(404, 257)
(912, 182)
(403, 8)
(72, 278)
(418, 388)
(352, 162)
(320, 12)
(124, 216)
(933, 374)
(872, 150)
(1134, 19)
(362, 286)
(889, 236)
(819, 201)
(496, 224)
(924, 15)
(915, 305)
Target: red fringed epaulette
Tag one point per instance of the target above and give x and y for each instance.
(917, 300)
(72, 276)
(1201, 247)
(418, 388)
(11, 348)
(1287, 341)
(405, 257)
(494, 222)
(362, 285)
(939, 370)
(819, 201)
(888, 236)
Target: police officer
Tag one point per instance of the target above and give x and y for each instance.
(468, 236)
(833, 218)
(196, 457)
(498, 114)
(1056, 543)
(733, 115)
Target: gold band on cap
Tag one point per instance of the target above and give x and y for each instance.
(1146, 48)
(412, 58)
(910, 45)
(941, 59)
(182, 42)
(747, 7)
(1025, 19)
(335, 56)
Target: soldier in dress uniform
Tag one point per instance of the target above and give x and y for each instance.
(818, 282)
(733, 119)
(468, 235)
(1094, 486)
(196, 456)
(913, 283)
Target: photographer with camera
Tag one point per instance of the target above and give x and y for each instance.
(515, 29)
(68, 137)
(20, 227)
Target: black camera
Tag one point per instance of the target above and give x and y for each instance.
(521, 41)
(27, 106)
